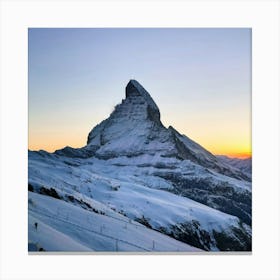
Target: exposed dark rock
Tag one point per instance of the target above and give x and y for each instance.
(144, 221)
(219, 195)
(49, 192)
(30, 188)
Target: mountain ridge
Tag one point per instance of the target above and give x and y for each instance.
(136, 121)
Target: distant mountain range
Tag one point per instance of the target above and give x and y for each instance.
(243, 164)
(138, 186)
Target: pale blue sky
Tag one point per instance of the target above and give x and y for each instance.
(199, 78)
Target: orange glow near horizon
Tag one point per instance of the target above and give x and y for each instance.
(229, 136)
(230, 149)
(238, 155)
(51, 147)
(53, 141)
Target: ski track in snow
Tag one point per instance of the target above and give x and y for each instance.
(87, 231)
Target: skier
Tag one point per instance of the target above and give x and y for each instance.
(36, 225)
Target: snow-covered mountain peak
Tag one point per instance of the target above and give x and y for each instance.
(134, 129)
(136, 115)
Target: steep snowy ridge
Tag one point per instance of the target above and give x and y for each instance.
(133, 168)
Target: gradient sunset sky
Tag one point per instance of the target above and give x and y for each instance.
(199, 78)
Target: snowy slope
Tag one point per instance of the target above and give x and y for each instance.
(120, 191)
(65, 227)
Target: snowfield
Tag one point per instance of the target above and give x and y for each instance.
(119, 193)
(66, 227)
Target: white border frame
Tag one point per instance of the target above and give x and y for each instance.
(262, 16)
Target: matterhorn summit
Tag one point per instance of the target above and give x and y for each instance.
(133, 128)
(136, 94)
